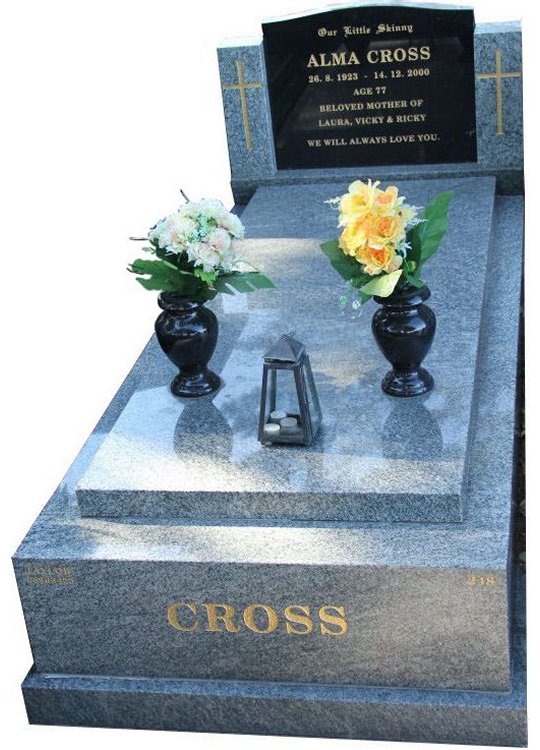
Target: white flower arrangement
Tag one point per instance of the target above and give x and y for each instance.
(204, 231)
(195, 254)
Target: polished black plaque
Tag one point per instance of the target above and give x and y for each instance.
(372, 85)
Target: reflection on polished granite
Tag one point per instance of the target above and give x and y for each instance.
(376, 458)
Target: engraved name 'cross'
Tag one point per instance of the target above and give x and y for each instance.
(498, 76)
(242, 87)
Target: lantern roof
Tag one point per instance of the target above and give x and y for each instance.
(286, 349)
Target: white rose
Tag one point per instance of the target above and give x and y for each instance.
(203, 254)
(211, 208)
(232, 224)
(183, 226)
(220, 239)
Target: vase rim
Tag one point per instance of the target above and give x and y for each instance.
(177, 301)
(409, 295)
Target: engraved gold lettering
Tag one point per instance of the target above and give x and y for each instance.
(37, 574)
(271, 618)
(296, 614)
(481, 580)
(225, 617)
(399, 54)
(332, 59)
(337, 621)
(173, 618)
(294, 619)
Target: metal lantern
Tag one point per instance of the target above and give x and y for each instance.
(290, 409)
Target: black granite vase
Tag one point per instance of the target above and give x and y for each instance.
(187, 332)
(404, 328)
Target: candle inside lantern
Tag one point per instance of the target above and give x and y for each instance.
(277, 415)
(271, 430)
(289, 425)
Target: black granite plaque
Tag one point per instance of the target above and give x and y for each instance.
(386, 84)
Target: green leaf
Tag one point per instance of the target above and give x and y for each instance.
(260, 281)
(426, 237)
(383, 285)
(415, 281)
(164, 277)
(346, 266)
(207, 276)
(248, 281)
(360, 280)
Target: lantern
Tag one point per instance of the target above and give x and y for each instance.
(290, 409)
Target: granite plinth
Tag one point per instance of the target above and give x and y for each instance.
(499, 121)
(122, 576)
(299, 710)
(375, 458)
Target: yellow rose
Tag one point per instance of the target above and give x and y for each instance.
(358, 202)
(387, 201)
(378, 259)
(384, 230)
(353, 237)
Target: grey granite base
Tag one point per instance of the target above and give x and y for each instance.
(509, 180)
(112, 581)
(258, 708)
(376, 458)
(296, 710)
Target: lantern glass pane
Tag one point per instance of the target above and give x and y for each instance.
(280, 404)
(286, 394)
(312, 400)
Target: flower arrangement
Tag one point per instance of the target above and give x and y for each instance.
(194, 254)
(384, 241)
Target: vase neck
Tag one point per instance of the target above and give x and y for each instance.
(174, 302)
(407, 296)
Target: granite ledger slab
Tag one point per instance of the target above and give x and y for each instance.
(427, 605)
(377, 458)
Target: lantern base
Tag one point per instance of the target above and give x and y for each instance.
(274, 434)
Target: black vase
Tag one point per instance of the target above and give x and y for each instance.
(187, 332)
(404, 328)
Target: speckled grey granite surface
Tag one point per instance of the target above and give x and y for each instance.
(500, 148)
(411, 591)
(376, 458)
(306, 710)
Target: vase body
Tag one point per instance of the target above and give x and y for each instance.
(404, 328)
(187, 332)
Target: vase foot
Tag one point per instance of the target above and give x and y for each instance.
(195, 384)
(409, 383)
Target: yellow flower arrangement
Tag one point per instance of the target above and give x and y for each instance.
(374, 223)
(383, 240)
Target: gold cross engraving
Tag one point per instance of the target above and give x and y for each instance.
(242, 87)
(498, 76)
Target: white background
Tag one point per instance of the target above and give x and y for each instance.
(108, 108)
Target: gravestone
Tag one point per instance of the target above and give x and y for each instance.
(372, 86)
(247, 90)
(186, 577)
